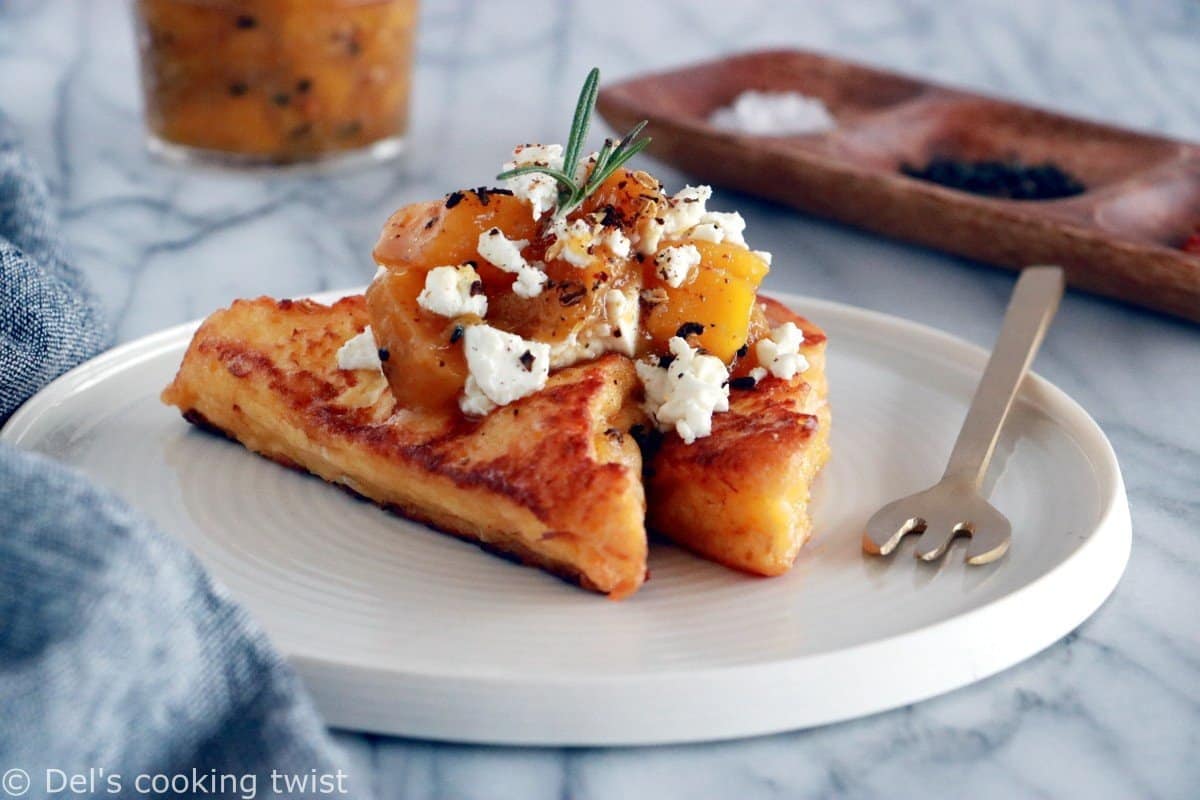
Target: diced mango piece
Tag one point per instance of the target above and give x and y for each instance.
(446, 232)
(720, 298)
(423, 366)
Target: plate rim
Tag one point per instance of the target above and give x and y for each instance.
(1108, 542)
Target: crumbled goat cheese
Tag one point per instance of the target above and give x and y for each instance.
(615, 331)
(729, 226)
(781, 352)
(774, 114)
(758, 373)
(622, 311)
(572, 242)
(360, 352)
(650, 234)
(685, 210)
(453, 292)
(380, 271)
(684, 394)
(687, 217)
(530, 282)
(584, 168)
(675, 264)
(505, 254)
(764, 255)
(617, 242)
(502, 368)
(545, 155)
(473, 400)
(706, 232)
(718, 226)
(578, 346)
(535, 188)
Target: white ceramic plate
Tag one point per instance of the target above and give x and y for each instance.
(401, 630)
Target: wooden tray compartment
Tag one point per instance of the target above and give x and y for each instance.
(1120, 238)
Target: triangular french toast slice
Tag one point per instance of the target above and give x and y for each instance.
(740, 496)
(552, 480)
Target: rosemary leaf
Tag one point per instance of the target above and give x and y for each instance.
(633, 134)
(582, 120)
(615, 163)
(527, 169)
(573, 188)
(602, 157)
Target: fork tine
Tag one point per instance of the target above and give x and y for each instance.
(990, 541)
(936, 539)
(888, 526)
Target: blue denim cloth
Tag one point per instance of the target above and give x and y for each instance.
(49, 319)
(117, 651)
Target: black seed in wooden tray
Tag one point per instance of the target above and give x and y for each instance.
(1008, 179)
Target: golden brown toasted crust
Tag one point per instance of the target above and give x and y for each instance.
(740, 496)
(264, 373)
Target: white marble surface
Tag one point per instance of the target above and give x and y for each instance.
(1112, 711)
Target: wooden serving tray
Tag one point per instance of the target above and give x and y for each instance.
(1120, 238)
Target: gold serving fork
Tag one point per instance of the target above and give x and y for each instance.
(954, 506)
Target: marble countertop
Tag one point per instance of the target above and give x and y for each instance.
(1111, 711)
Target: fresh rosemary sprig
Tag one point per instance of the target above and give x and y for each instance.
(611, 157)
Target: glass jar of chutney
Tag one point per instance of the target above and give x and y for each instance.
(276, 82)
